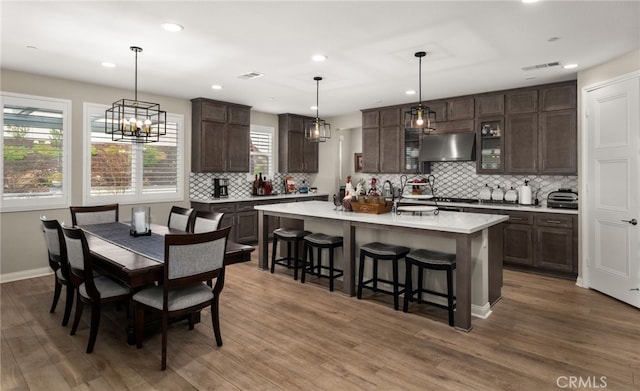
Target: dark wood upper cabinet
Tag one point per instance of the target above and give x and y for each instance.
(440, 108)
(390, 117)
(489, 105)
(220, 136)
(295, 153)
(212, 110)
(522, 101)
(460, 108)
(557, 142)
(370, 118)
(382, 145)
(560, 97)
(521, 144)
(370, 149)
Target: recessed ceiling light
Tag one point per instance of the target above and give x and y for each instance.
(108, 64)
(314, 107)
(216, 87)
(410, 92)
(570, 66)
(319, 57)
(529, 1)
(173, 27)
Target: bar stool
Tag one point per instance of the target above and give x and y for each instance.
(290, 236)
(432, 260)
(386, 252)
(320, 241)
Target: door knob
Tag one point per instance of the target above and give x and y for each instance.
(634, 289)
(632, 221)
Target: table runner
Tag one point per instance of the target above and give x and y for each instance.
(118, 233)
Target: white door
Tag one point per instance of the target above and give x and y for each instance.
(613, 172)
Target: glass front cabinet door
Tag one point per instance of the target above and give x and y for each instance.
(411, 150)
(490, 138)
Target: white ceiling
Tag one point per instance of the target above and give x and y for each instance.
(473, 46)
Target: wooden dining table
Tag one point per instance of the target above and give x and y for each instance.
(139, 261)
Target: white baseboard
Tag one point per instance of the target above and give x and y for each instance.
(580, 283)
(482, 312)
(23, 275)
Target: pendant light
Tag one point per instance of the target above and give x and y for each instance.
(133, 120)
(317, 130)
(420, 116)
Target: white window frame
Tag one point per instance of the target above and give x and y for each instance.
(138, 196)
(40, 202)
(271, 131)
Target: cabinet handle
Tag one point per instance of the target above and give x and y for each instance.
(553, 221)
(516, 218)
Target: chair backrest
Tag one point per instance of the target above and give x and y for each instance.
(80, 261)
(206, 221)
(194, 258)
(86, 215)
(55, 245)
(180, 218)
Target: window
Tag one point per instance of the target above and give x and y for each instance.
(125, 172)
(35, 152)
(261, 155)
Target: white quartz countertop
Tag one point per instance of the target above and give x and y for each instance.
(257, 198)
(480, 205)
(466, 223)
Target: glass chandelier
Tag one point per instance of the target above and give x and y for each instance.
(420, 116)
(317, 130)
(133, 120)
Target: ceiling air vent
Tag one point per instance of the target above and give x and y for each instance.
(250, 75)
(541, 66)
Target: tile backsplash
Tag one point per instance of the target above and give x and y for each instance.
(201, 184)
(453, 179)
(459, 179)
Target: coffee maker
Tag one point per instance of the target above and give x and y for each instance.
(220, 188)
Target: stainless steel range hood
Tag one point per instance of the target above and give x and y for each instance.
(448, 147)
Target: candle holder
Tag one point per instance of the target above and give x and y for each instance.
(140, 221)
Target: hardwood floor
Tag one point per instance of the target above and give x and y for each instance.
(281, 335)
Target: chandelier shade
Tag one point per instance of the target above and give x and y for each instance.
(317, 130)
(420, 116)
(133, 120)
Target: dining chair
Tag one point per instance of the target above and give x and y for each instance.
(205, 221)
(57, 252)
(189, 261)
(98, 214)
(180, 218)
(94, 290)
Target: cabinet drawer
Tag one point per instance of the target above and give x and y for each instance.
(245, 206)
(223, 208)
(520, 218)
(554, 220)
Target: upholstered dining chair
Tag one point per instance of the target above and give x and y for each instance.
(189, 261)
(86, 215)
(180, 218)
(95, 290)
(205, 221)
(57, 252)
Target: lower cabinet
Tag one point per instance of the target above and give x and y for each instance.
(243, 218)
(545, 243)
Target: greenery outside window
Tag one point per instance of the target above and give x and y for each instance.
(35, 152)
(125, 172)
(261, 152)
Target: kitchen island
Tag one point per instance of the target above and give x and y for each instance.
(475, 238)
